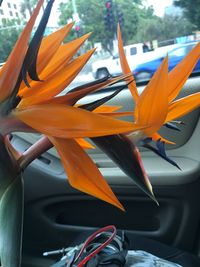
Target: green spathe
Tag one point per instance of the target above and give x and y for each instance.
(11, 208)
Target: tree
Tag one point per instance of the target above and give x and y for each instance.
(148, 26)
(175, 26)
(9, 31)
(92, 14)
(27, 5)
(191, 10)
(168, 27)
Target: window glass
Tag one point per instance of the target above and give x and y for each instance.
(150, 29)
(133, 51)
(116, 56)
(178, 52)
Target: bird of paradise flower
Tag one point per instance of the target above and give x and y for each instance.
(30, 82)
(29, 104)
(154, 107)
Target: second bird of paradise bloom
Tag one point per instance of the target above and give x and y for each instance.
(158, 105)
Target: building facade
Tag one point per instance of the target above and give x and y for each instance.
(10, 10)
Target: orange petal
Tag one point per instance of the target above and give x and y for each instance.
(118, 114)
(106, 109)
(61, 58)
(73, 97)
(183, 106)
(11, 69)
(57, 83)
(64, 54)
(84, 144)
(179, 75)
(125, 67)
(50, 45)
(151, 108)
(82, 172)
(48, 48)
(70, 122)
(155, 137)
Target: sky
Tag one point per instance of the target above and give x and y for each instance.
(159, 5)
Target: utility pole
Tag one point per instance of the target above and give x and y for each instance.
(75, 13)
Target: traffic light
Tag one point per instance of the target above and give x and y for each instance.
(109, 19)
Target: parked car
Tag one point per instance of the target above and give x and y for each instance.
(146, 70)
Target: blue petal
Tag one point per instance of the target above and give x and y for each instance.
(160, 151)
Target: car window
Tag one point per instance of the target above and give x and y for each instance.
(179, 52)
(189, 48)
(133, 51)
(115, 56)
(182, 51)
(148, 27)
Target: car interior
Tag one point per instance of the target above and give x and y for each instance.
(57, 216)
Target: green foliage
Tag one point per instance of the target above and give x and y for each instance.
(92, 14)
(168, 27)
(148, 26)
(131, 11)
(27, 5)
(191, 10)
(175, 26)
(9, 32)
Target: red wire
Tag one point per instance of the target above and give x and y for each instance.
(97, 250)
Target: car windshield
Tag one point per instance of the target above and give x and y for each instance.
(149, 30)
